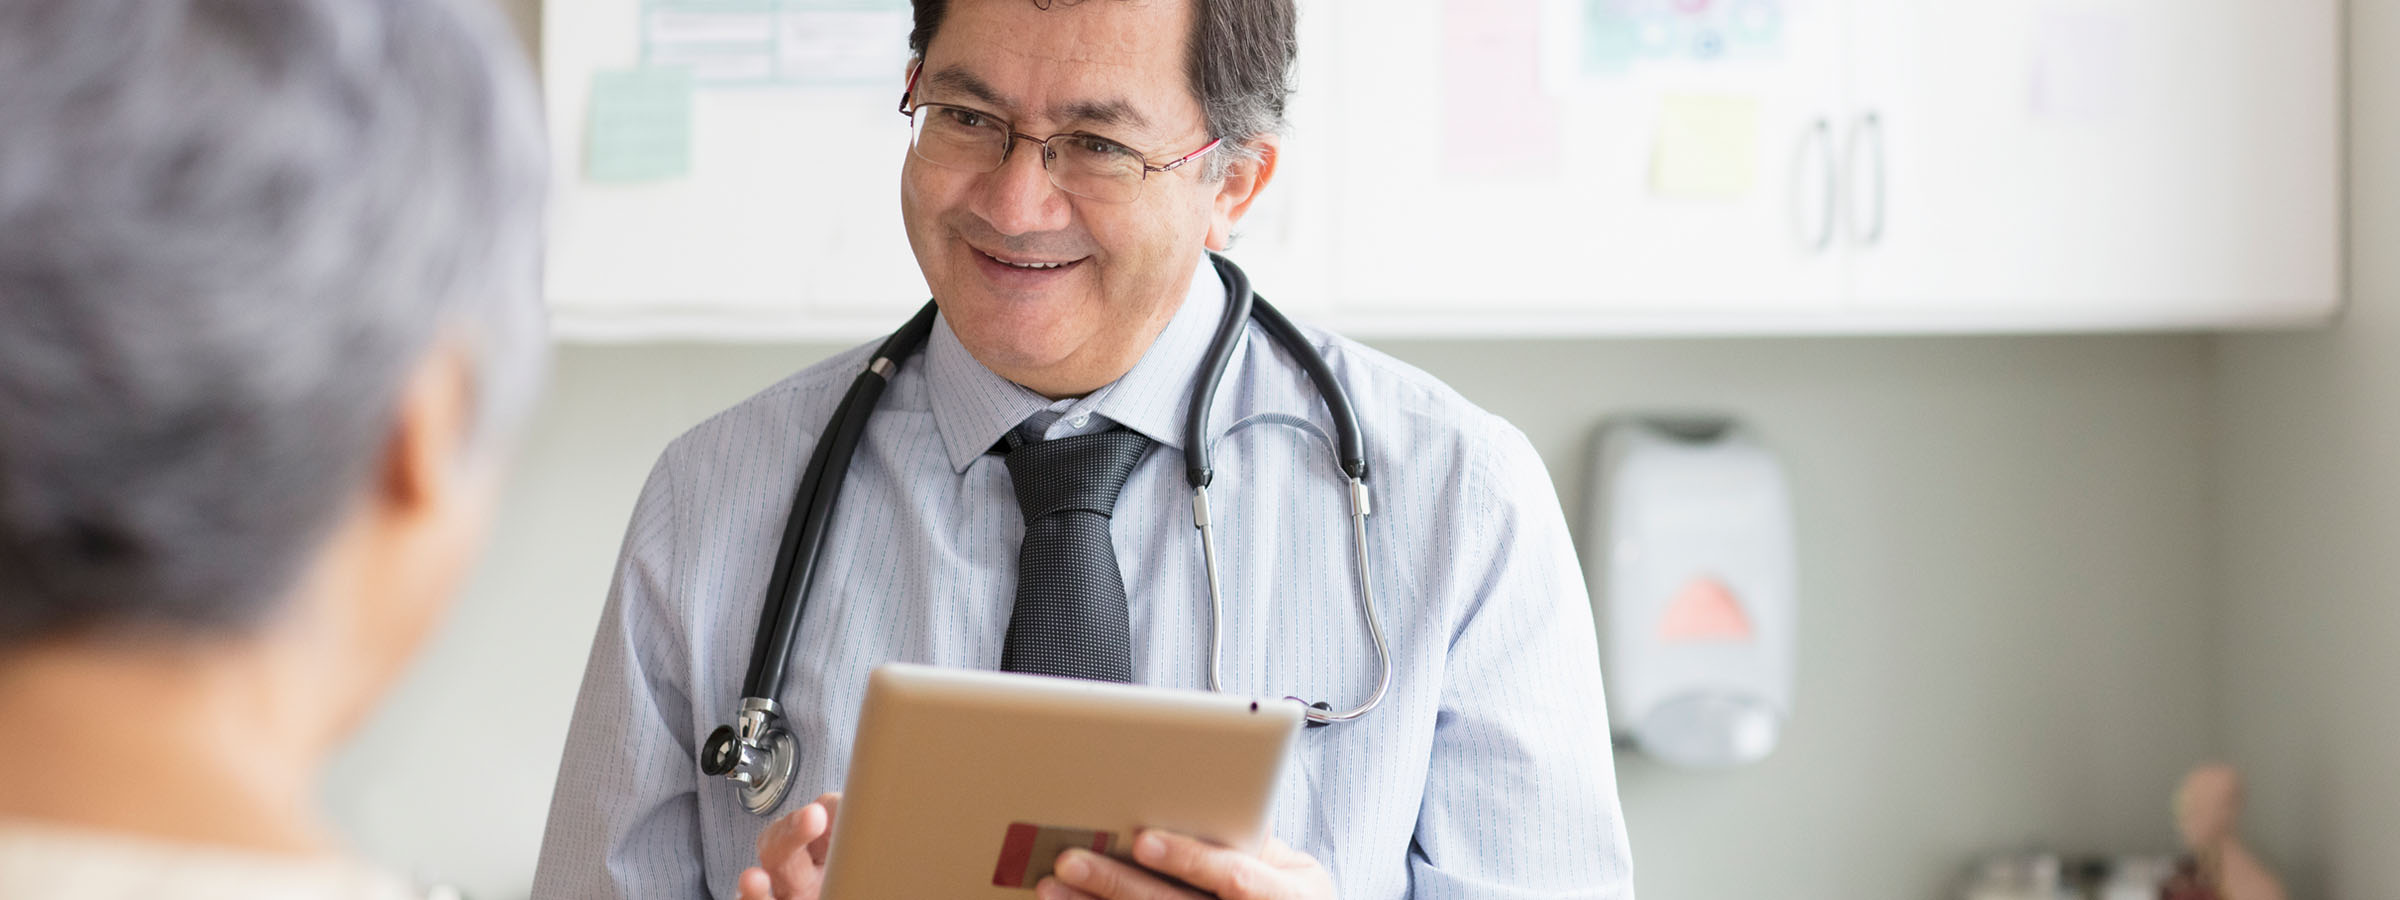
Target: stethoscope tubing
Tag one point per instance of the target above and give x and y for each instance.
(758, 753)
(1350, 449)
(1246, 307)
(812, 508)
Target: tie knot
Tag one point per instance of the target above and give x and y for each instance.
(1083, 472)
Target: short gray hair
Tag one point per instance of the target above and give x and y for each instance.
(229, 230)
(1238, 56)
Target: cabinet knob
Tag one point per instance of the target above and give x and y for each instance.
(1816, 232)
(1868, 129)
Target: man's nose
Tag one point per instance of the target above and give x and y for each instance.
(1018, 198)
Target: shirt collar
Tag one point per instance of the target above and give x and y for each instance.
(973, 407)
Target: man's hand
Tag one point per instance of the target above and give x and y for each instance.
(1280, 873)
(791, 854)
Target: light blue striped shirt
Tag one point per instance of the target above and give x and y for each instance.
(1485, 773)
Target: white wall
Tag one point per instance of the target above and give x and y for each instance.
(2309, 437)
(2004, 635)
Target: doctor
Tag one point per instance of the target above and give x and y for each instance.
(1119, 140)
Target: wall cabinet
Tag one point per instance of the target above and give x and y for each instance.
(1916, 165)
(1485, 179)
(2146, 162)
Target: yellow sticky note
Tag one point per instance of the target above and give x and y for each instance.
(1707, 147)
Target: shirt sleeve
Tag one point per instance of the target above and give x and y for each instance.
(624, 816)
(1520, 796)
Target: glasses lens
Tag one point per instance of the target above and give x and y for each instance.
(1096, 167)
(955, 137)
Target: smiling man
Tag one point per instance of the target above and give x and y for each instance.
(1070, 166)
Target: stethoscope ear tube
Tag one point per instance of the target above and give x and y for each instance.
(1337, 401)
(1196, 469)
(1247, 306)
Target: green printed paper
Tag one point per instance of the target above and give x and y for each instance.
(1612, 38)
(641, 125)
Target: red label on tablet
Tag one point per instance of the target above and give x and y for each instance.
(1028, 851)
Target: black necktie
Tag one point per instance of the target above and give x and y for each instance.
(1070, 618)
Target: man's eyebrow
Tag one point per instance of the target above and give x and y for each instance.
(1113, 111)
(1106, 112)
(965, 82)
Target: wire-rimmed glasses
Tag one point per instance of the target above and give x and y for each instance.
(1080, 163)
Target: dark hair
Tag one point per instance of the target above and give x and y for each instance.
(1239, 58)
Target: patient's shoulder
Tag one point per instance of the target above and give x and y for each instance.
(39, 860)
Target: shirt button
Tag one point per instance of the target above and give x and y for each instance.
(1079, 421)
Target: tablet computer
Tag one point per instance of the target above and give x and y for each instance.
(969, 784)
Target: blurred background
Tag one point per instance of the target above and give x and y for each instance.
(2070, 324)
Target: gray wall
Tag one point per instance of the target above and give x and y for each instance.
(2004, 619)
(2004, 638)
(2309, 438)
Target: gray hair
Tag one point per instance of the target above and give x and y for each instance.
(229, 231)
(1239, 58)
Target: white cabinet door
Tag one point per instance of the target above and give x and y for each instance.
(1529, 166)
(2094, 163)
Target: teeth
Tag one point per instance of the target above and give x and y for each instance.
(1026, 265)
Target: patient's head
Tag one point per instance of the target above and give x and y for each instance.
(268, 308)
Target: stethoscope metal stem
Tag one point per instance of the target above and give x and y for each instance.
(1359, 508)
(1216, 602)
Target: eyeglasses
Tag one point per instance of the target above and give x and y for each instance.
(1079, 163)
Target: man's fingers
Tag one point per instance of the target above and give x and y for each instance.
(1053, 889)
(832, 802)
(787, 835)
(1281, 855)
(1227, 873)
(1109, 879)
(792, 848)
(755, 885)
(774, 839)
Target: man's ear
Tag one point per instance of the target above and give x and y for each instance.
(1241, 187)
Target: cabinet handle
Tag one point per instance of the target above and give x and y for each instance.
(1869, 127)
(1817, 235)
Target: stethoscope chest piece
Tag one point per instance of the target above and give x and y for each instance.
(757, 754)
(761, 797)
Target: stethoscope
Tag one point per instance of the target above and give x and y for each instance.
(759, 754)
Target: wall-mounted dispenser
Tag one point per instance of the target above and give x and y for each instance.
(1688, 551)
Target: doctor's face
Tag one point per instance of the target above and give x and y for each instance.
(1059, 292)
